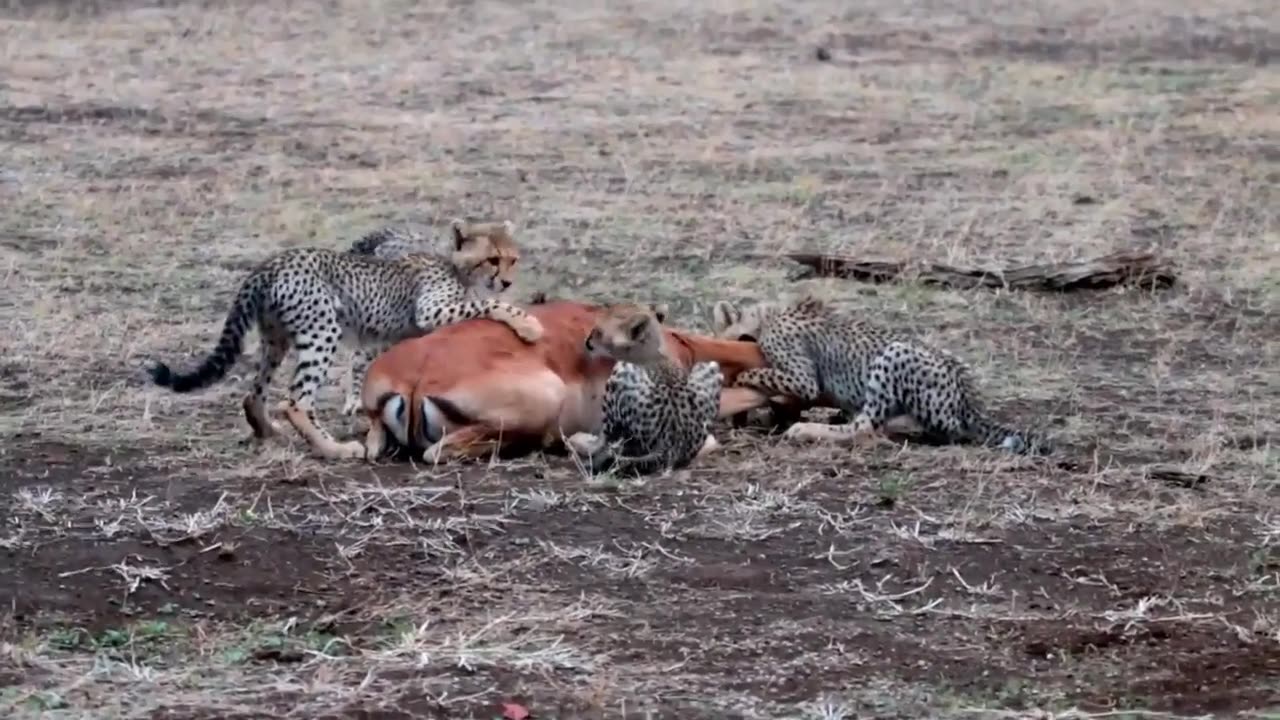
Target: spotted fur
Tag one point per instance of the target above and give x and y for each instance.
(656, 413)
(872, 372)
(393, 242)
(312, 298)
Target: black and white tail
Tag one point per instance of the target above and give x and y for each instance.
(243, 314)
(390, 243)
(980, 427)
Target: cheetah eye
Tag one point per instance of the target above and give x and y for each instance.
(495, 261)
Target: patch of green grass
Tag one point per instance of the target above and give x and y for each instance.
(38, 701)
(1185, 79)
(892, 487)
(283, 642)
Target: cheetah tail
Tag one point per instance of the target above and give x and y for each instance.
(986, 431)
(243, 313)
(369, 243)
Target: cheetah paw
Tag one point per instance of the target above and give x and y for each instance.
(709, 445)
(869, 439)
(583, 444)
(529, 330)
(349, 450)
(352, 405)
(805, 431)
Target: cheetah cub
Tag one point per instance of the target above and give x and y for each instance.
(393, 242)
(656, 413)
(313, 298)
(871, 372)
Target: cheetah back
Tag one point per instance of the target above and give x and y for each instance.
(667, 416)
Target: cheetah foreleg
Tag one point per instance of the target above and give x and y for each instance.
(429, 316)
(524, 325)
(602, 456)
(778, 381)
(302, 417)
(360, 360)
(582, 444)
(595, 450)
(825, 432)
(632, 464)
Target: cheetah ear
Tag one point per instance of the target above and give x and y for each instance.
(639, 328)
(458, 227)
(660, 311)
(724, 314)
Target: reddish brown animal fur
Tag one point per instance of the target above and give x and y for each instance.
(479, 387)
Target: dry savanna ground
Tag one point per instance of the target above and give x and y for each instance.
(153, 567)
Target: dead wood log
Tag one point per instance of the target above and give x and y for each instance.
(1179, 478)
(1127, 267)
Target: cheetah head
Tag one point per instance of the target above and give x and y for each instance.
(628, 332)
(731, 322)
(485, 254)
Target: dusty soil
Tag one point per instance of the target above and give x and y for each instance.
(155, 567)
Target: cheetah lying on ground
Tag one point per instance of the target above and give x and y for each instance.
(313, 298)
(657, 414)
(871, 373)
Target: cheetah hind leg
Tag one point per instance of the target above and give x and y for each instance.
(860, 436)
(868, 423)
(865, 432)
(313, 369)
(302, 417)
(260, 423)
(271, 352)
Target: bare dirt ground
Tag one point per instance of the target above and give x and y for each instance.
(150, 566)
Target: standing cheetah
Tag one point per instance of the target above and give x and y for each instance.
(656, 413)
(871, 372)
(391, 242)
(313, 298)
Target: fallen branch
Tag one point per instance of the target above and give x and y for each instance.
(1176, 477)
(1128, 267)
